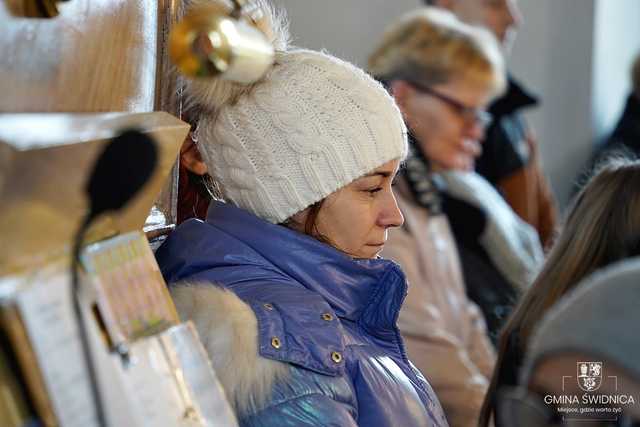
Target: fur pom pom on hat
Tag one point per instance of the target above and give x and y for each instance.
(311, 126)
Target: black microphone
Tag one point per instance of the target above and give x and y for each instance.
(125, 165)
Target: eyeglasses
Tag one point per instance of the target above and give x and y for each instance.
(469, 114)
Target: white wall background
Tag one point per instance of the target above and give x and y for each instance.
(553, 56)
(349, 29)
(574, 53)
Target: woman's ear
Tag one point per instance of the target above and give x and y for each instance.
(191, 158)
(298, 220)
(401, 91)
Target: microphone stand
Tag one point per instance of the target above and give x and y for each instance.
(82, 327)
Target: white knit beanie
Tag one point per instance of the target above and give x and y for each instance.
(313, 125)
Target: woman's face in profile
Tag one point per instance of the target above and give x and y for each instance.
(448, 121)
(355, 219)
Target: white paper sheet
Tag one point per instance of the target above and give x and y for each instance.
(46, 308)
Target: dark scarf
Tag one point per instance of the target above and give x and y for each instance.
(425, 185)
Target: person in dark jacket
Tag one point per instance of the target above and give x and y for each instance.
(603, 227)
(625, 138)
(510, 158)
(283, 281)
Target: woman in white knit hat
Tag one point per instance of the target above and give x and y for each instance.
(285, 285)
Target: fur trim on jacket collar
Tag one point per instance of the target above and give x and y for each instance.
(228, 329)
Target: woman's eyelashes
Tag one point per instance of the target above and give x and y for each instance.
(387, 183)
(374, 185)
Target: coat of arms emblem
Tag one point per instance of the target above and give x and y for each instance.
(589, 375)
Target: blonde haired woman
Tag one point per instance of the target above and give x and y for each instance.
(294, 306)
(442, 74)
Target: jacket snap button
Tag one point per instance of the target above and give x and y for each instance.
(275, 342)
(337, 357)
(268, 306)
(327, 316)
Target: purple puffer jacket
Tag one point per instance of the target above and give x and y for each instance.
(334, 317)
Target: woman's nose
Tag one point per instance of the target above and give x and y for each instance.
(475, 131)
(390, 215)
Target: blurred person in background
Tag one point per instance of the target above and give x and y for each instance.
(625, 138)
(442, 73)
(510, 156)
(602, 227)
(592, 328)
